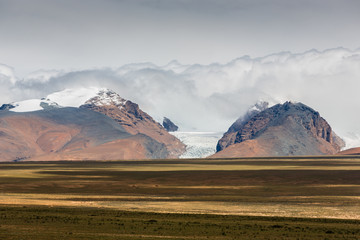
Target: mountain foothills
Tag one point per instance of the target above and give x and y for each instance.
(82, 124)
(287, 129)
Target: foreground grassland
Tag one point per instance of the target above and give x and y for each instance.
(86, 223)
(117, 200)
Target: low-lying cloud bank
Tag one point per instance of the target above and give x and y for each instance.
(211, 97)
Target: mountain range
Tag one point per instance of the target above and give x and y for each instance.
(98, 124)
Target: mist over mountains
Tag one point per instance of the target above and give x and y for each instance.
(211, 97)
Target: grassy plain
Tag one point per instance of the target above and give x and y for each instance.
(261, 198)
(29, 223)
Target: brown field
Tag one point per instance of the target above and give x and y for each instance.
(310, 187)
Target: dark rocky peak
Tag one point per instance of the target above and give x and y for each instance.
(254, 124)
(169, 125)
(304, 115)
(276, 115)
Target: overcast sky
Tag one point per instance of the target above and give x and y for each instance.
(83, 34)
(50, 45)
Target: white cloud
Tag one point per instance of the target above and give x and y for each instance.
(7, 74)
(7, 81)
(42, 76)
(211, 97)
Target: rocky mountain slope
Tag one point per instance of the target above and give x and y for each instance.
(99, 124)
(229, 137)
(133, 119)
(70, 134)
(282, 130)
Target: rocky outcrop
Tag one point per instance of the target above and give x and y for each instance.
(5, 107)
(134, 120)
(282, 130)
(169, 125)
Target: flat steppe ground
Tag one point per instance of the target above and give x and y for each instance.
(258, 198)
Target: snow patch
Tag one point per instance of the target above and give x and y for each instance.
(74, 97)
(71, 98)
(32, 105)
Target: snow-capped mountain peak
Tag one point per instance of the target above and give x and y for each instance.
(91, 95)
(106, 97)
(68, 98)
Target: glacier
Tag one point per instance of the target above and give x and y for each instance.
(198, 144)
